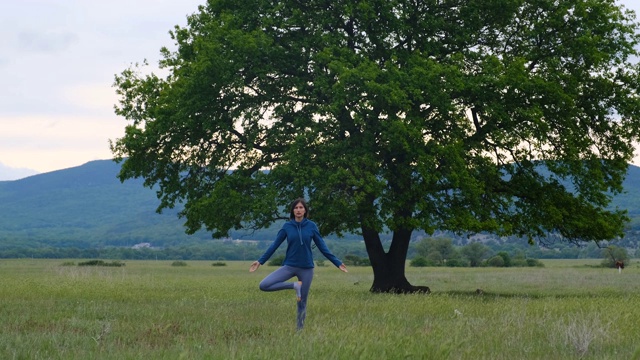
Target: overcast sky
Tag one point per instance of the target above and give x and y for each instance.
(58, 59)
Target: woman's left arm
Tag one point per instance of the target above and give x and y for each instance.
(322, 246)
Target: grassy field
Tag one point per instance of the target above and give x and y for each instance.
(152, 310)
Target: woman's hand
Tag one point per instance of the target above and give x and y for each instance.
(254, 266)
(343, 268)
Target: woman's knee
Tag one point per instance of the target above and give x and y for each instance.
(264, 286)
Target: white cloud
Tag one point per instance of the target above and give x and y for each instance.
(100, 97)
(45, 42)
(58, 59)
(47, 143)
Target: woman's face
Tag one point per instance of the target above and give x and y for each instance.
(298, 211)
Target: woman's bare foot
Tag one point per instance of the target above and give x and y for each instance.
(297, 287)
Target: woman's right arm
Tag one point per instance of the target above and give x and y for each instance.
(254, 266)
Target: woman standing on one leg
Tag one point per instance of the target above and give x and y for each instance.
(299, 232)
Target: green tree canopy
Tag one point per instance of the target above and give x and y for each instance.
(508, 116)
(475, 252)
(612, 255)
(442, 246)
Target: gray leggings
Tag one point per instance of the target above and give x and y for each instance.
(277, 280)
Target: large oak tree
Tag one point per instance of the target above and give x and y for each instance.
(507, 116)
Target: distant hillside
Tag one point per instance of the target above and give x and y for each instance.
(10, 173)
(630, 198)
(87, 206)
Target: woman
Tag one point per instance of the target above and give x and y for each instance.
(299, 232)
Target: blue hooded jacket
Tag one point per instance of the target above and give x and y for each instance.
(299, 236)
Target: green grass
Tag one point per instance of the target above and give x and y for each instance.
(152, 310)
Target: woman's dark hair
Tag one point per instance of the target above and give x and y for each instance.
(296, 202)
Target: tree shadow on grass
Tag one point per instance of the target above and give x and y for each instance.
(490, 295)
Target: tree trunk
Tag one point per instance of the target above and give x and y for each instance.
(388, 267)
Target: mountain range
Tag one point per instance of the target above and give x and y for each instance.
(11, 173)
(87, 207)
